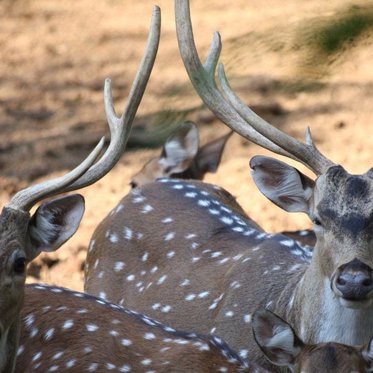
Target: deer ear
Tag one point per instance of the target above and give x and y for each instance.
(209, 155)
(368, 354)
(180, 148)
(284, 185)
(54, 222)
(276, 338)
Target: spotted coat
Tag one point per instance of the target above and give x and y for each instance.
(67, 331)
(189, 262)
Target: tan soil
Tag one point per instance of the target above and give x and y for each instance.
(56, 54)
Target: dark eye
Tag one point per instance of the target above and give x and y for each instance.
(133, 184)
(19, 265)
(316, 221)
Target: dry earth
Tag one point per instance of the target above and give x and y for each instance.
(56, 54)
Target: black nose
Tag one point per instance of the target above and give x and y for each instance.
(354, 280)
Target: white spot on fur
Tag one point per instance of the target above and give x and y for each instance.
(190, 194)
(91, 327)
(166, 308)
(127, 233)
(146, 209)
(185, 282)
(113, 237)
(68, 324)
(170, 254)
(126, 342)
(162, 280)
(204, 202)
(169, 236)
(149, 336)
(190, 297)
(118, 266)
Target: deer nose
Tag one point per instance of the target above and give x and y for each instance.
(354, 280)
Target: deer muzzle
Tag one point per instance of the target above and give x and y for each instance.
(353, 281)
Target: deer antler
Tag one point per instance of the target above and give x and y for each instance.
(229, 108)
(86, 173)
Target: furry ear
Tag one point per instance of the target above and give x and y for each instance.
(180, 148)
(367, 353)
(284, 185)
(276, 338)
(54, 222)
(209, 155)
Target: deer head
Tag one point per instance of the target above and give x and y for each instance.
(24, 235)
(339, 206)
(182, 158)
(282, 346)
(337, 202)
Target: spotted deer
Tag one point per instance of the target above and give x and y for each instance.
(185, 253)
(68, 331)
(182, 157)
(24, 236)
(282, 346)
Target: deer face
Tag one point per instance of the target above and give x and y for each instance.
(340, 206)
(282, 346)
(22, 239)
(343, 222)
(333, 357)
(13, 259)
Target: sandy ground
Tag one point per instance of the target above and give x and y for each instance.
(56, 55)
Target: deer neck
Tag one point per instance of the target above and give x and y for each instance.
(319, 316)
(8, 347)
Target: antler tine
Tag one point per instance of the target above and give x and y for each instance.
(26, 198)
(307, 153)
(120, 127)
(203, 80)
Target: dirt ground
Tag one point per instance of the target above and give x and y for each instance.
(55, 56)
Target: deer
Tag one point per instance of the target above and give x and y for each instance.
(69, 331)
(185, 253)
(64, 330)
(283, 347)
(182, 157)
(23, 235)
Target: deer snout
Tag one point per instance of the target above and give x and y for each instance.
(353, 281)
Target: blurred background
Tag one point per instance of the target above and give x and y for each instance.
(298, 63)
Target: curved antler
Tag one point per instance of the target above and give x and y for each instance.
(229, 108)
(120, 128)
(26, 198)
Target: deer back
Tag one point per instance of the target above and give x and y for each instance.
(185, 253)
(73, 332)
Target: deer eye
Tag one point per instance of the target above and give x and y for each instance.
(133, 184)
(19, 265)
(317, 221)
